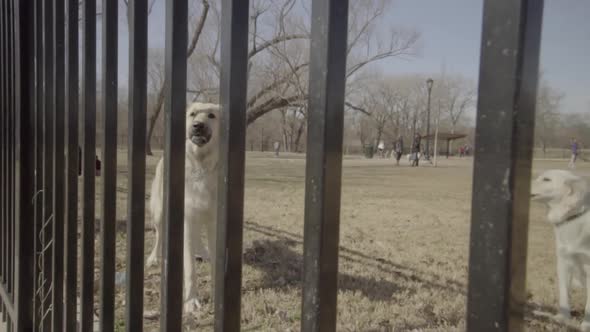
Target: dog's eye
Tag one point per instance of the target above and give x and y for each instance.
(546, 179)
(211, 116)
(193, 114)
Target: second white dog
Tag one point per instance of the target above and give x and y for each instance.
(200, 196)
(568, 199)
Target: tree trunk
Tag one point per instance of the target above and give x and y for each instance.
(261, 139)
(451, 141)
(298, 136)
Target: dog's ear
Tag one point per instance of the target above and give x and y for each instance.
(574, 200)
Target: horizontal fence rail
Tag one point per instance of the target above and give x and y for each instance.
(46, 44)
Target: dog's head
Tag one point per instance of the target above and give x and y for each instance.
(565, 193)
(202, 124)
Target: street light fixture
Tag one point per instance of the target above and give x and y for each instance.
(429, 83)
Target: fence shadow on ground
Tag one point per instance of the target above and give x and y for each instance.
(278, 259)
(395, 270)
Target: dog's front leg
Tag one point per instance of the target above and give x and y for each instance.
(190, 297)
(198, 246)
(563, 280)
(212, 242)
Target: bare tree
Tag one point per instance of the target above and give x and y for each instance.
(456, 95)
(547, 115)
(293, 122)
(156, 110)
(278, 57)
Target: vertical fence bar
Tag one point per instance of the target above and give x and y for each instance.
(88, 162)
(4, 216)
(3, 177)
(137, 152)
(502, 165)
(3, 83)
(10, 161)
(174, 163)
(58, 165)
(48, 114)
(11, 158)
(109, 157)
(324, 164)
(38, 196)
(233, 89)
(25, 125)
(71, 250)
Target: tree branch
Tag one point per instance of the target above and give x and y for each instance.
(273, 42)
(271, 104)
(357, 108)
(273, 86)
(198, 29)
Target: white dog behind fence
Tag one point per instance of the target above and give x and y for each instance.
(200, 197)
(568, 199)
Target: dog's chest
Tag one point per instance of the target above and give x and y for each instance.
(573, 238)
(200, 188)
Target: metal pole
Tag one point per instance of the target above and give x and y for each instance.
(427, 152)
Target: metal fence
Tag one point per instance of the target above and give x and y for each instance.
(40, 111)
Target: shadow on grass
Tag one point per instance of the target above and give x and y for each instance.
(285, 241)
(282, 268)
(277, 258)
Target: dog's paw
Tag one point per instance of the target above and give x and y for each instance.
(191, 305)
(152, 261)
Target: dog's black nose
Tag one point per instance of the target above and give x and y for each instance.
(199, 126)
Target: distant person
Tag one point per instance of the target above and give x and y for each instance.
(277, 147)
(381, 149)
(97, 163)
(575, 150)
(415, 154)
(398, 149)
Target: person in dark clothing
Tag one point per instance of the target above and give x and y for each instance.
(415, 156)
(97, 163)
(574, 149)
(398, 149)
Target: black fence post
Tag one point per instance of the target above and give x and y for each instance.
(3, 157)
(25, 124)
(58, 165)
(108, 232)
(232, 155)
(174, 163)
(38, 195)
(3, 126)
(72, 105)
(88, 163)
(137, 155)
(327, 82)
(48, 216)
(502, 165)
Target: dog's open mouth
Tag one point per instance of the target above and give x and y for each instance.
(200, 140)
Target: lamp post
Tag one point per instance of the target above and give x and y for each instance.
(429, 83)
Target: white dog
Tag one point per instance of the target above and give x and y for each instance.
(200, 196)
(567, 197)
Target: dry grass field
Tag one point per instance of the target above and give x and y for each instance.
(404, 248)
